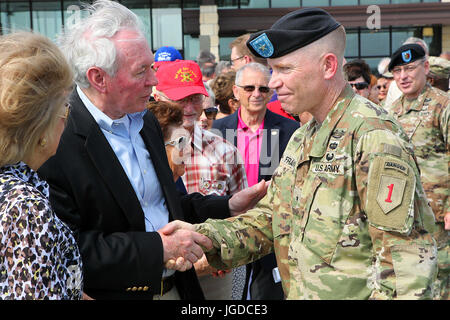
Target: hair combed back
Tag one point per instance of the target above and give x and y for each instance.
(88, 42)
(258, 67)
(35, 80)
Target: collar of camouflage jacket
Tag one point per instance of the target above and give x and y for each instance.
(415, 104)
(327, 128)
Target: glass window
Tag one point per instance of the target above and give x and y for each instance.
(344, 2)
(15, 16)
(375, 43)
(142, 10)
(285, 3)
(400, 35)
(191, 4)
(351, 45)
(315, 3)
(167, 28)
(157, 3)
(224, 48)
(191, 47)
(369, 2)
(72, 11)
(47, 18)
(404, 1)
(254, 3)
(227, 4)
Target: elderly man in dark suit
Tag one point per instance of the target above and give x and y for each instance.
(261, 136)
(110, 180)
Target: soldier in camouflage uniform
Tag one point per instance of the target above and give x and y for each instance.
(345, 212)
(424, 113)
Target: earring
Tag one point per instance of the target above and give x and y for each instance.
(42, 142)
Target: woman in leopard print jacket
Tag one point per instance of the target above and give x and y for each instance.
(39, 257)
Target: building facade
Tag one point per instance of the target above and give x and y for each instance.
(375, 28)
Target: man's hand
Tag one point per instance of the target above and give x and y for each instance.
(182, 245)
(447, 221)
(246, 199)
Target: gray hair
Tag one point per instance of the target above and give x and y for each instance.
(255, 67)
(418, 41)
(88, 42)
(212, 96)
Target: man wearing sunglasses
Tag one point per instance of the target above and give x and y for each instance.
(261, 137)
(424, 113)
(345, 212)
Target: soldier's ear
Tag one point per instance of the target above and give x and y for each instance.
(329, 65)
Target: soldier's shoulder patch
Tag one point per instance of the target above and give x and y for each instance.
(390, 193)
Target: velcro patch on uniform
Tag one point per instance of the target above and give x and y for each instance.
(390, 193)
(288, 161)
(328, 167)
(396, 166)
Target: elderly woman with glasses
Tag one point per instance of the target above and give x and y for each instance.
(176, 138)
(210, 111)
(39, 257)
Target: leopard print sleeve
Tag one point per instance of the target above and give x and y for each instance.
(39, 258)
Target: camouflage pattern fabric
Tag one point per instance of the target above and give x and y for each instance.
(426, 121)
(345, 212)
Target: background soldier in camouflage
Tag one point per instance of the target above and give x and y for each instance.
(439, 73)
(345, 212)
(424, 113)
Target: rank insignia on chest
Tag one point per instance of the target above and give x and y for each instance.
(338, 133)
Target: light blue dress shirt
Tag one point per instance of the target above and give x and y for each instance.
(124, 138)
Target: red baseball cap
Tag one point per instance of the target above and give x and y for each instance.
(179, 79)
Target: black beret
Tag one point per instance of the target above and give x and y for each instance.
(293, 31)
(406, 54)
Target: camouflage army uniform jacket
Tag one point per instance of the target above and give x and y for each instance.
(426, 121)
(345, 212)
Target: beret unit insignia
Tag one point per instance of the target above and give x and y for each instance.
(262, 45)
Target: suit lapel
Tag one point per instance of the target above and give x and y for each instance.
(108, 166)
(153, 141)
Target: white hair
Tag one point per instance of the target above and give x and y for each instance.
(418, 41)
(87, 42)
(211, 95)
(255, 67)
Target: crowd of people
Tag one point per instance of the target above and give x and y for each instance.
(284, 173)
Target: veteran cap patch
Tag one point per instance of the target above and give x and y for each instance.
(291, 32)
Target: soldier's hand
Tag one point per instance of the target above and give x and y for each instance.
(203, 268)
(181, 241)
(246, 199)
(447, 221)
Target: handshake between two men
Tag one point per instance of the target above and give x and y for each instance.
(183, 246)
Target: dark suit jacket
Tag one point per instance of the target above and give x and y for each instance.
(275, 139)
(90, 191)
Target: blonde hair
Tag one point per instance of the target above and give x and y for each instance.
(35, 80)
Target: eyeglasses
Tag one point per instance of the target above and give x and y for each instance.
(233, 60)
(180, 143)
(211, 113)
(359, 85)
(262, 89)
(407, 69)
